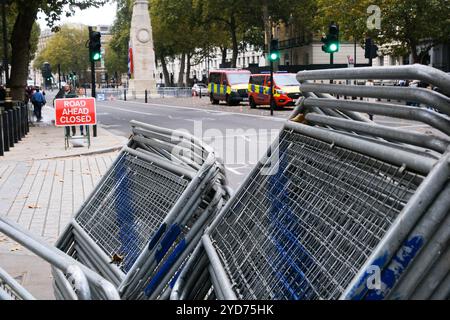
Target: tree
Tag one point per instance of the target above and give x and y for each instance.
(419, 26)
(22, 30)
(116, 59)
(68, 49)
(407, 26)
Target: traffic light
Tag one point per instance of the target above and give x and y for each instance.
(331, 40)
(370, 49)
(46, 70)
(274, 54)
(95, 46)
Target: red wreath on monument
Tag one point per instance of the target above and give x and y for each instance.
(130, 62)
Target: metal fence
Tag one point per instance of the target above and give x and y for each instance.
(14, 124)
(147, 213)
(351, 210)
(82, 279)
(126, 94)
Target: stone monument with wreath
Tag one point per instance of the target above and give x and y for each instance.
(143, 54)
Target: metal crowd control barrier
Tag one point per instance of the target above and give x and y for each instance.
(339, 207)
(147, 214)
(111, 94)
(82, 279)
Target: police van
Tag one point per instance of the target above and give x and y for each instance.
(229, 85)
(286, 90)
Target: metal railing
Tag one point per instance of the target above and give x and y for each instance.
(82, 279)
(14, 124)
(146, 95)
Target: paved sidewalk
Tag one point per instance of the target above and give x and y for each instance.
(41, 186)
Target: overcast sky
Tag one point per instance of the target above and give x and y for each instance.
(93, 17)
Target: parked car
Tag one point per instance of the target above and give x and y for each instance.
(199, 89)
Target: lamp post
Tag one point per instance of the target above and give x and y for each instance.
(5, 42)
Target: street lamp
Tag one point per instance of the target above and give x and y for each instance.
(5, 42)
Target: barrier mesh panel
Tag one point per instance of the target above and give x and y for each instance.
(130, 206)
(306, 229)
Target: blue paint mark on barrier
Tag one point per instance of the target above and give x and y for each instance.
(157, 236)
(125, 217)
(167, 241)
(290, 258)
(359, 290)
(401, 261)
(165, 268)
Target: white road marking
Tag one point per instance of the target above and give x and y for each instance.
(132, 111)
(200, 110)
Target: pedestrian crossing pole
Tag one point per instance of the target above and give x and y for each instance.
(93, 91)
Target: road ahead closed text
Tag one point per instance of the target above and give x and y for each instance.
(74, 112)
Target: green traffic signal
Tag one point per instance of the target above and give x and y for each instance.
(95, 45)
(274, 56)
(96, 56)
(333, 47)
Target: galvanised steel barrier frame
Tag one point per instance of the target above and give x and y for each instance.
(126, 94)
(81, 277)
(412, 255)
(154, 265)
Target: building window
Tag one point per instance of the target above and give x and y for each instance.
(381, 61)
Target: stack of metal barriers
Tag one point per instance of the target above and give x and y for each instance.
(84, 283)
(147, 214)
(339, 207)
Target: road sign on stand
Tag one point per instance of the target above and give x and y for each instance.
(75, 112)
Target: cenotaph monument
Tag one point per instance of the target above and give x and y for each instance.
(142, 54)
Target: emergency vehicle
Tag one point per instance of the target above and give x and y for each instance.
(228, 85)
(286, 89)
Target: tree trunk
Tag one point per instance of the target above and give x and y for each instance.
(224, 52)
(182, 69)
(165, 72)
(188, 69)
(415, 54)
(267, 27)
(234, 42)
(20, 45)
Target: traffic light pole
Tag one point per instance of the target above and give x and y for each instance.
(331, 63)
(94, 93)
(59, 76)
(93, 90)
(271, 88)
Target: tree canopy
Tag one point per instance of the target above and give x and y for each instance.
(68, 49)
(21, 34)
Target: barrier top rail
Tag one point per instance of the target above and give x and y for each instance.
(410, 72)
(58, 259)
